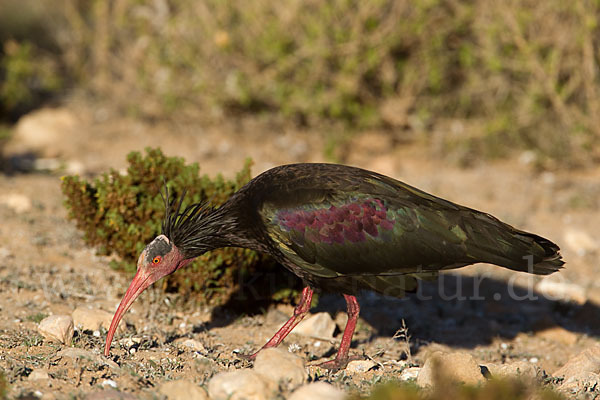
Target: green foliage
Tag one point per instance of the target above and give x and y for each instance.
(27, 75)
(494, 389)
(476, 79)
(120, 213)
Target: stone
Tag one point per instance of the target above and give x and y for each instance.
(558, 334)
(457, 366)
(580, 242)
(57, 328)
(582, 382)
(76, 353)
(242, 384)
(586, 361)
(190, 344)
(38, 374)
(410, 373)
(360, 366)
(43, 131)
(563, 291)
(110, 394)
(279, 366)
(320, 326)
(91, 319)
(318, 390)
(182, 389)
(17, 202)
(517, 369)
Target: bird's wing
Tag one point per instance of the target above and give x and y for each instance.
(388, 231)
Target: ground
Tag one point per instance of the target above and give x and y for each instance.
(46, 268)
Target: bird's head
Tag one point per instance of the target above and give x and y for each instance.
(160, 258)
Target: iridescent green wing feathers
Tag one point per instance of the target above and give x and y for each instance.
(352, 222)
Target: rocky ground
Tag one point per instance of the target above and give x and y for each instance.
(58, 296)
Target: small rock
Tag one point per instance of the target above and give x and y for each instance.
(410, 373)
(110, 394)
(58, 328)
(360, 366)
(318, 390)
(586, 361)
(242, 384)
(320, 326)
(582, 382)
(277, 365)
(110, 383)
(182, 389)
(91, 319)
(43, 131)
(190, 344)
(38, 374)
(458, 366)
(19, 203)
(74, 352)
(580, 242)
(558, 334)
(515, 369)
(553, 290)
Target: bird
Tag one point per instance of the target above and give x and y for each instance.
(340, 229)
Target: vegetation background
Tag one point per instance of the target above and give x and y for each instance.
(477, 79)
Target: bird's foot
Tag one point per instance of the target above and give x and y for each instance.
(338, 363)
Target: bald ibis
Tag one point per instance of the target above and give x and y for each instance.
(340, 229)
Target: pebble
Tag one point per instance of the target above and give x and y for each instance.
(182, 389)
(515, 369)
(558, 334)
(410, 373)
(553, 290)
(276, 366)
(190, 344)
(457, 366)
(19, 203)
(320, 326)
(42, 131)
(360, 366)
(109, 382)
(57, 328)
(110, 394)
(91, 319)
(74, 352)
(586, 361)
(38, 374)
(318, 390)
(243, 384)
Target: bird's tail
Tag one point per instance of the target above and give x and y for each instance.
(518, 250)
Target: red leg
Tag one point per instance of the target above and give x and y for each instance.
(299, 313)
(341, 359)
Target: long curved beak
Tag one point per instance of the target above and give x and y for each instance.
(140, 282)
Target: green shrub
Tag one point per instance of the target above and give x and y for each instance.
(120, 213)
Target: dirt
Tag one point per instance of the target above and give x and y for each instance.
(46, 268)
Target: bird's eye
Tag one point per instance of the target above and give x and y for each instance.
(156, 260)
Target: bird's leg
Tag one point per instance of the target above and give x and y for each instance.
(341, 359)
(299, 313)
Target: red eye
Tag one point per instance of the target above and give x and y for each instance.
(156, 260)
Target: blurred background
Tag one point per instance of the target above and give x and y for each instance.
(491, 104)
(468, 80)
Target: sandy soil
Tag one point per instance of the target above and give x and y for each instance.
(45, 267)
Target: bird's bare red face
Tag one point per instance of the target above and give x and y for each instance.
(159, 259)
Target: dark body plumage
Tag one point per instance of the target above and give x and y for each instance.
(340, 229)
(345, 229)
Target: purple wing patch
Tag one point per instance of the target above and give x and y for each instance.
(351, 222)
